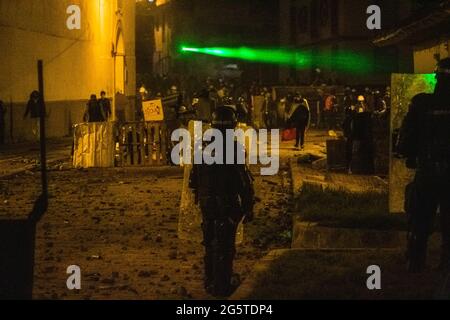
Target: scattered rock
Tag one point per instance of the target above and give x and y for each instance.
(146, 274)
(182, 291)
(165, 278)
(108, 281)
(95, 257)
(50, 269)
(172, 255)
(270, 182)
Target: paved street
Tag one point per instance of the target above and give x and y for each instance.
(120, 227)
(25, 156)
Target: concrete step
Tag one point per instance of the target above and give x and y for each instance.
(308, 235)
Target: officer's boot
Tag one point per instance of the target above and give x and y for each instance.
(208, 242)
(224, 264)
(220, 285)
(445, 249)
(209, 270)
(417, 253)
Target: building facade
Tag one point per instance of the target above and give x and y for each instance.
(426, 33)
(224, 23)
(330, 28)
(77, 63)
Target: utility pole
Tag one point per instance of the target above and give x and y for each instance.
(42, 132)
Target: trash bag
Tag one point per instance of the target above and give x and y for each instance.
(289, 134)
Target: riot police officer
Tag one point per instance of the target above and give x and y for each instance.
(242, 110)
(425, 143)
(226, 196)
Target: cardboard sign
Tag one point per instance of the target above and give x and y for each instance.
(153, 110)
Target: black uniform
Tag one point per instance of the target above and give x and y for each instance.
(361, 136)
(225, 195)
(347, 130)
(300, 119)
(425, 142)
(94, 111)
(33, 106)
(105, 105)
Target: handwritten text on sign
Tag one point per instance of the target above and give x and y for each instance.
(153, 110)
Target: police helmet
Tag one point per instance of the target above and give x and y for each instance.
(224, 117)
(227, 100)
(182, 110)
(443, 67)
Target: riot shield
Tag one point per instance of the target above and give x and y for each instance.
(190, 220)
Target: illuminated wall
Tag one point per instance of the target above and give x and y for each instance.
(76, 62)
(425, 56)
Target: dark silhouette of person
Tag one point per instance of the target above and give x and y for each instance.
(93, 111)
(424, 141)
(105, 105)
(300, 119)
(226, 196)
(33, 110)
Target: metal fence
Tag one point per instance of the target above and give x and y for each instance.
(127, 144)
(142, 144)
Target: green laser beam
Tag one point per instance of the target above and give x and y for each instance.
(430, 80)
(345, 61)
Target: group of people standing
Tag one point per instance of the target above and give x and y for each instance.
(98, 110)
(360, 111)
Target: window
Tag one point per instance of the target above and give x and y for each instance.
(324, 13)
(314, 15)
(293, 24)
(302, 19)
